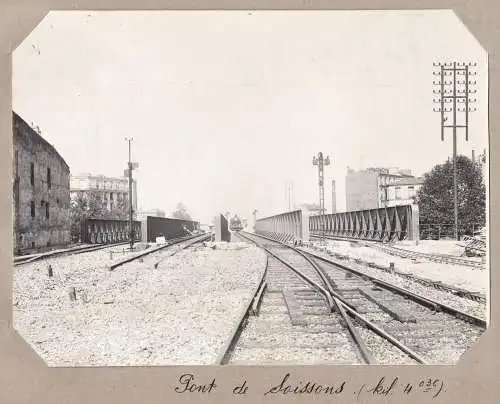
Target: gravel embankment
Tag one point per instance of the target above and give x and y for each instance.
(475, 280)
(466, 305)
(180, 313)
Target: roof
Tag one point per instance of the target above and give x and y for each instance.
(22, 130)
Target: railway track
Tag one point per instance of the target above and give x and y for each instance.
(181, 243)
(21, 260)
(316, 313)
(439, 258)
(438, 285)
(404, 253)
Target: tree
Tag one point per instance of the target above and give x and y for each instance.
(435, 198)
(78, 212)
(90, 205)
(119, 211)
(181, 212)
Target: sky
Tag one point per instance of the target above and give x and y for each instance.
(228, 107)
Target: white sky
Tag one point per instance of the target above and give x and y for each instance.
(225, 107)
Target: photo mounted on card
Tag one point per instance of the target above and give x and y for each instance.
(252, 205)
(250, 188)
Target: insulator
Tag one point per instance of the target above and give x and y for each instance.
(436, 109)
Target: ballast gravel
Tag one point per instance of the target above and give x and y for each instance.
(468, 306)
(180, 313)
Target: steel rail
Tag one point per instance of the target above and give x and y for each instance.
(333, 301)
(153, 250)
(471, 295)
(253, 304)
(187, 245)
(404, 253)
(407, 293)
(70, 251)
(382, 333)
(321, 289)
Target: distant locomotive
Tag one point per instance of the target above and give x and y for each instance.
(235, 224)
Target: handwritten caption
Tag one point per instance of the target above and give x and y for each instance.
(287, 385)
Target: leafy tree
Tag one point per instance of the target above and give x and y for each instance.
(90, 205)
(119, 211)
(181, 212)
(435, 198)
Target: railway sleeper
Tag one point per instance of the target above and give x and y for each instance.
(398, 313)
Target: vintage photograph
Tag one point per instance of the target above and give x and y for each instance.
(250, 188)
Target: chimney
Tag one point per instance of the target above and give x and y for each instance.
(334, 198)
(473, 156)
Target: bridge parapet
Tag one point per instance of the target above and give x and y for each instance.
(383, 224)
(100, 231)
(287, 227)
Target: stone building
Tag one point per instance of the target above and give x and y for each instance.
(112, 191)
(41, 198)
(380, 187)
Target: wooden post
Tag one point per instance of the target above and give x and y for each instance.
(51, 273)
(72, 294)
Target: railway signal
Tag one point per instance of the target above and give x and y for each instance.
(454, 87)
(320, 161)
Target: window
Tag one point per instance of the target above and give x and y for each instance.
(398, 192)
(32, 208)
(49, 181)
(32, 173)
(47, 210)
(411, 187)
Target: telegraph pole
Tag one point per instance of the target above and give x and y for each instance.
(321, 162)
(131, 209)
(454, 91)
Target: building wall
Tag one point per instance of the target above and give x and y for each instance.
(380, 187)
(361, 190)
(41, 202)
(401, 195)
